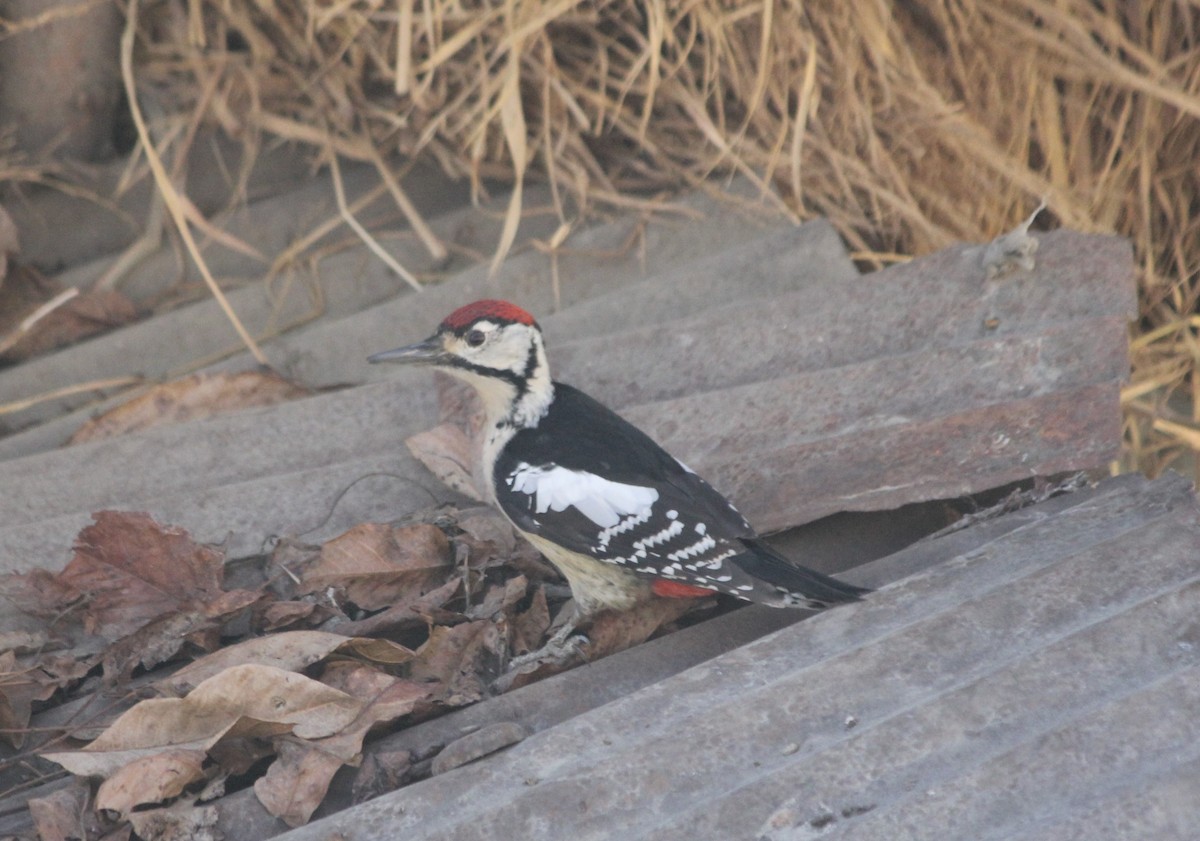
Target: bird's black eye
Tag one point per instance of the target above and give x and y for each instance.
(475, 338)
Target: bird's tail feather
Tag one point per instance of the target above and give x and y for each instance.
(796, 584)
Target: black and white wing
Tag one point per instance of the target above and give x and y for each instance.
(587, 480)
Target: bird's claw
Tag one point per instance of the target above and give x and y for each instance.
(559, 649)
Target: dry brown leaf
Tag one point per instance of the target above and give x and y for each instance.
(411, 612)
(290, 650)
(180, 821)
(17, 692)
(384, 652)
(380, 772)
(24, 681)
(149, 780)
(248, 695)
(10, 242)
(449, 455)
(458, 404)
(282, 614)
(296, 782)
(38, 315)
(377, 565)
(157, 642)
(244, 744)
(127, 570)
(387, 698)
(357, 679)
(527, 629)
(43, 594)
(190, 398)
(60, 815)
(25, 642)
(613, 631)
(500, 599)
(458, 658)
(492, 541)
(487, 534)
(610, 632)
(229, 603)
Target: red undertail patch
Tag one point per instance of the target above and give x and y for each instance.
(678, 590)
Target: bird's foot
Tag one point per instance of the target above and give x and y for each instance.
(560, 649)
(564, 650)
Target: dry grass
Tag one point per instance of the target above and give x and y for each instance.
(908, 125)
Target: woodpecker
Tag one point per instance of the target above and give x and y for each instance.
(621, 518)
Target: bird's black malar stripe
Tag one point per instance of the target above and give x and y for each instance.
(519, 381)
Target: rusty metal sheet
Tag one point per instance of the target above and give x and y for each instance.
(940, 458)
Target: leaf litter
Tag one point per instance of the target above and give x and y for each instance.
(162, 689)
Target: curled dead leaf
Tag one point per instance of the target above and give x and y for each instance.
(288, 650)
(181, 821)
(296, 782)
(151, 779)
(484, 741)
(614, 631)
(381, 651)
(411, 612)
(377, 565)
(387, 698)
(528, 628)
(488, 535)
(191, 398)
(246, 695)
(449, 455)
(156, 642)
(282, 614)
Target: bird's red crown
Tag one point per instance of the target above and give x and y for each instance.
(500, 311)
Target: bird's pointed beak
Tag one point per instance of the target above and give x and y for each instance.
(427, 352)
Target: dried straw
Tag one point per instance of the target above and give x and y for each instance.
(909, 125)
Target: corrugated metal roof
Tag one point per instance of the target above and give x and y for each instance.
(923, 381)
(832, 392)
(1037, 678)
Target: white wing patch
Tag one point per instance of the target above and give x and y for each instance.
(603, 502)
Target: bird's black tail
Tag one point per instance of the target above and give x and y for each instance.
(796, 585)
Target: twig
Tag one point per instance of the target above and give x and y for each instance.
(362, 232)
(67, 391)
(424, 233)
(169, 193)
(37, 315)
(139, 250)
(290, 254)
